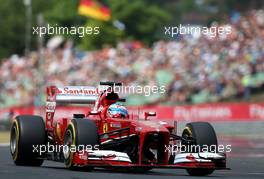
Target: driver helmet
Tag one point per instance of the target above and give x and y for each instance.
(117, 110)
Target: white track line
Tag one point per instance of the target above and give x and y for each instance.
(255, 173)
(4, 144)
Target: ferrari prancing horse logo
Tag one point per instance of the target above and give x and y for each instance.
(105, 128)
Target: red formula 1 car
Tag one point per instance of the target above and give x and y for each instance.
(108, 136)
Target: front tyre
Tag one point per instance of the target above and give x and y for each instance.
(79, 133)
(26, 135)
(203, 134)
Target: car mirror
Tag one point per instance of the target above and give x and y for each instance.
(94, 112)
(147, 114)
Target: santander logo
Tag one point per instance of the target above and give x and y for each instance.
(78, 91)
(202, 112)
(256, 111)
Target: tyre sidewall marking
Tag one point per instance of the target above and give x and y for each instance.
(69, 161)
(189, 131)
(15, 155)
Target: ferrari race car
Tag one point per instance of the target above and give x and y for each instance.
(109, 136)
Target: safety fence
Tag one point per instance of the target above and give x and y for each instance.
(202, 112)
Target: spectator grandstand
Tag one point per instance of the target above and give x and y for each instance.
(194, 69)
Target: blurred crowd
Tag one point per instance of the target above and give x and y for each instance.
(194, 69)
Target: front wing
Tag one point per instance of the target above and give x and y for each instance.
(108, 158)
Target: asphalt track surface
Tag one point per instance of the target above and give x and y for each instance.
(245, 161)
(242, 165)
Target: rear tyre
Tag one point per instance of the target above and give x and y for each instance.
(204, 135)
(80, 133)
(27, 133)
(200, 172)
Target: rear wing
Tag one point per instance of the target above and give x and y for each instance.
(77, 94)
(73, 94)
(68, 95)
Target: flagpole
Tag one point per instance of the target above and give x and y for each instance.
(28, 6)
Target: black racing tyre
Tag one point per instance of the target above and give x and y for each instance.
(141, 169)
(203, 135)
(80, 134)
(199, 172)
(26, 136)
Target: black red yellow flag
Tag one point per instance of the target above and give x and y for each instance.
(94, 9)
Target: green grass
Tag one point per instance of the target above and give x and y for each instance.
(4, 136)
